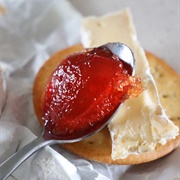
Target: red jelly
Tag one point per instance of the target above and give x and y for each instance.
(84, 91)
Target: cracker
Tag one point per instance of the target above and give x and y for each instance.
(168, 84)
(98, 147)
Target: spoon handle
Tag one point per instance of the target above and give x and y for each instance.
(7, 167)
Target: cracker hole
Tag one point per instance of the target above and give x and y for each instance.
(156, 69)
(158, 72)
(90, 142)
(99, 24)
(174, 118)
(165, 96)
(161, 75)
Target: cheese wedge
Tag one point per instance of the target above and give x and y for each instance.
(141, 123)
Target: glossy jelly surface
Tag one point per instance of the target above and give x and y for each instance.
(84, 91)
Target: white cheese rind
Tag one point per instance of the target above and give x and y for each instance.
(141, 123)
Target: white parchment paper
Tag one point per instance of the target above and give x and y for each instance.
(31, 31)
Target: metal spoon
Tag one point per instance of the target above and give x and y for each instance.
(6, 168)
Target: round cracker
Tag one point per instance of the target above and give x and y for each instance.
(98, 147)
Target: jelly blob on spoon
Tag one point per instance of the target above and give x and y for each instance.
(82, 95)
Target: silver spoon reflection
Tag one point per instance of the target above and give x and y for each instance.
(7, 167)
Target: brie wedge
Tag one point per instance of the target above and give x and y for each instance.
(141, 123)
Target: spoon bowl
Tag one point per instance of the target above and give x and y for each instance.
(125, 54)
